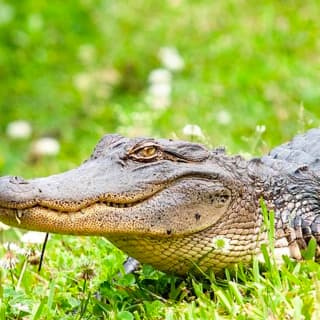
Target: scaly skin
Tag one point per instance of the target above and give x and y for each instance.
(174, 204)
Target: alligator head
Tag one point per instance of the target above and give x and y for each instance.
(172, 204)
(155, 199)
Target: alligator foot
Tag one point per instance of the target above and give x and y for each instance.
(131, 265)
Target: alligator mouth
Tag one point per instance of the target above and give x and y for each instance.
(20, 194)
(86, 217)
(19, 211)
(69, 207)
(168, 210)
(112, 200)
(122, 205)
(21, 215)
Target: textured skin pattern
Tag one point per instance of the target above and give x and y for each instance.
(298, 207)
(175, 204)
(240, 239)
(302, 151)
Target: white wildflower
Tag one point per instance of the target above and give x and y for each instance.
(221, 243)
(19, 129)
(9, 260)
(160, 90)
(192, 130)
(260, 128)
(171, 59)
(33, 237)
(159, 102)
(45, 147)
(159, 95)
(11, 246)
(160, 76)
(82, 81)
(223, 117)
(21, 307)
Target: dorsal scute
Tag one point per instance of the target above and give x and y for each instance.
(303, 151)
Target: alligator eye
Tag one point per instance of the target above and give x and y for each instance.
(146, 152)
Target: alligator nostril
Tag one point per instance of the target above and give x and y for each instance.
(18, 180)
(17, 187)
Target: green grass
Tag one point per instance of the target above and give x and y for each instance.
(80, 280)
(257, 62)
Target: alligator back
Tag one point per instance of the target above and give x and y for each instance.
(296, 192)
(302, 151)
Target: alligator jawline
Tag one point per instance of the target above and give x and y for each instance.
(110, 204)
(69, 207)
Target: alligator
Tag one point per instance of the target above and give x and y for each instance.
(177, 205)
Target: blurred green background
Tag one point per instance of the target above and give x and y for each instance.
(75, 70)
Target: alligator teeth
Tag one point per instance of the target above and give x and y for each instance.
(19, 215)
(118, 205)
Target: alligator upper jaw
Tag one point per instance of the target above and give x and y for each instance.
(74, 202)
(180, 206)
(17, 193)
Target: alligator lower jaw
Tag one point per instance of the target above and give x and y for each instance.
(96, 218)
(90, 217)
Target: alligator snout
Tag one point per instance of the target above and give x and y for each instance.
(18, 180)
(17, 192)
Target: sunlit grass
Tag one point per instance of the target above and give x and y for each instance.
(80, 280)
